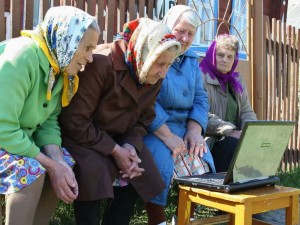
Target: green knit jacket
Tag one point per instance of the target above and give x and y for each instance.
(27, 120)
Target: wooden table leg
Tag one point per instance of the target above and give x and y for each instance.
(292, 212)
(184, 208)
(243, 213)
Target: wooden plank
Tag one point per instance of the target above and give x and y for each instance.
(2, 22)
(132, 14)
(294, 93)
(274, 72)
(269, 70)
(141, 6)
(284, 66)
(284, 91)
(297, 84)
(91, 7)
(45, 6)
(80, 4)
(288, 90)
(264, 67)
(258, 61)
(279, 80)
(150, 7)
(101, 6)
(259, 222)
(181, 2)
(16, 25)
(212, 220)
(110, 18)
(29, 15)
(68, 2)
(121, 15)
(55, 2)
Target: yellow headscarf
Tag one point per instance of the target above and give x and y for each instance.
(59, 36)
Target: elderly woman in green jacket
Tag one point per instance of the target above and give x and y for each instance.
(38, 77)
(228, 99)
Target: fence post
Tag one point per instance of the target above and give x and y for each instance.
(258, 70)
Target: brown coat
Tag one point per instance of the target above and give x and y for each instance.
(108, 109)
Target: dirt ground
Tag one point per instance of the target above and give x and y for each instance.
(275, 217)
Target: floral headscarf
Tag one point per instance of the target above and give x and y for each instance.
(59, 36)
(146, 40)
(209, 66)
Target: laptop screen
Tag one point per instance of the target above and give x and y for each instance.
(260, 149)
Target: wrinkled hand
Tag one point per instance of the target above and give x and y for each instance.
(134, 169)
(235, 133)
(127, 161)
(63, 181)
(175, 144)
(195, 142)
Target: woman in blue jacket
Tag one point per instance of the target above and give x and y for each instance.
(181, 110)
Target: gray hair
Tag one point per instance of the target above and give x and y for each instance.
(228, 41)
(190, 16)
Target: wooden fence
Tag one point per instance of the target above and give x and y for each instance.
(281, 82)
(281, 43)
(111, 14)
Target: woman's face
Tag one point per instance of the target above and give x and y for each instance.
(83, 54)
(160, 67)
(184, 33)
(225, 59)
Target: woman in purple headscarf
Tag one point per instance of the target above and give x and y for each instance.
(228, 99)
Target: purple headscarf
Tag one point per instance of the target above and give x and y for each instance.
(209, 66)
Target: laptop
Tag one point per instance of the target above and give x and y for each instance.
(255, 161)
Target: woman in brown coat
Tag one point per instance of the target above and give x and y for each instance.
(104, 125)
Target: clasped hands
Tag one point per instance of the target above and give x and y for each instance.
(127, 160)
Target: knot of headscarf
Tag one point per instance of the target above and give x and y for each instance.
(59, 36)
(145, 40)
(208, 66)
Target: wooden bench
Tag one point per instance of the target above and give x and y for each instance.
(241, 205)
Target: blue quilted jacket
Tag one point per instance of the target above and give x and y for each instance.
(181, 97)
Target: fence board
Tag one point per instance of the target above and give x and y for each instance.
(80, 4)
(110, 21)
(279, 70)
(45, 6)
(16, 25)
(56, 2)
(262, 94)
(2, 22)
(131, 10)
(274, 65)
(91, 6)
(297, 84)
(294, 93)
(122, 15)
(29, 15)
(150, 7)
(101, 21)
(269, 70)
(141, 8)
